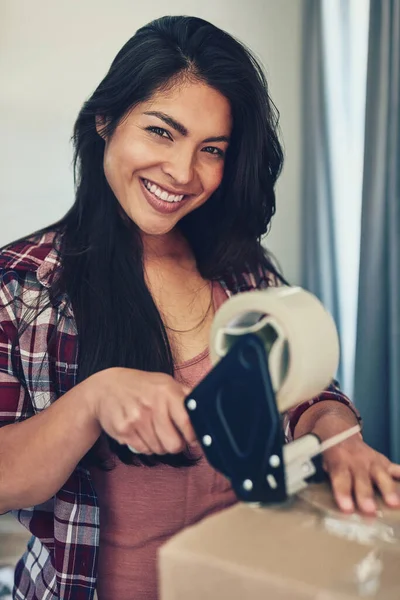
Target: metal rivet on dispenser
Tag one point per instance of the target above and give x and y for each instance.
(272, 481)
(274, 461)
(247, 485)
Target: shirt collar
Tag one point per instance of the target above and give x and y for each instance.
(49, 269)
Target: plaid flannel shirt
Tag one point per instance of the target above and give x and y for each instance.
(61, 557)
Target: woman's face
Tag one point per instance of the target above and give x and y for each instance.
(167, 156)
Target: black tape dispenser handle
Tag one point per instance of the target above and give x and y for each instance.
(234, 414)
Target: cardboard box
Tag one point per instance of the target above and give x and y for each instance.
(307, 550)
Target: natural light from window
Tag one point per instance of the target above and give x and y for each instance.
(345, 31)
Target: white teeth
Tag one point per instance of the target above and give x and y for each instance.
(162, 194)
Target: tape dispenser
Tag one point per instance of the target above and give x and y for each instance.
(271, 350)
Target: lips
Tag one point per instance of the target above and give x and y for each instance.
(161, 206)
(162, 193)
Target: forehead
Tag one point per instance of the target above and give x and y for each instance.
(196, 105)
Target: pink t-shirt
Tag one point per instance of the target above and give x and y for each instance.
(142, 507)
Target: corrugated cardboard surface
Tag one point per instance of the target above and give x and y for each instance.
(305, 551)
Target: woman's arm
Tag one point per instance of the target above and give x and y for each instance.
(39, 454)
(353, 466)
(144, 410)
(330, 394)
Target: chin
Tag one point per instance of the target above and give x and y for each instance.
(155, 228)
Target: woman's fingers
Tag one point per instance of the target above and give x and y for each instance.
(164, 426)
(186, 389)
(181, 420)
(353, 480)
(385, 483)
(394, 470)
(364, 491)
(355, 469)
(135, 428)
(170, 437)
(342, 484)
(149, 436)
(143, 410)
(137, 445)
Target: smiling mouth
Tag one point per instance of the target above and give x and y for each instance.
(162, 194)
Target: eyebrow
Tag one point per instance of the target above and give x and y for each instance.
(181, 128)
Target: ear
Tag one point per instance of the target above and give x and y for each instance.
(101, 124)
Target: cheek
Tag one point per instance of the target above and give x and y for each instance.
(113, 161)
(122, 158)
(117, 163)
(116, 158)
(214, 177)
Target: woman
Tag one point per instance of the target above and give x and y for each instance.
(176, 160)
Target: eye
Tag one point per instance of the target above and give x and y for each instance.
(217, 152)
(159, 131)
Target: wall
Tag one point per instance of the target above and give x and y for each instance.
(53, 54)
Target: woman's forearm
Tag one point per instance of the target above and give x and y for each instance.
(325, 419)
(38, 455)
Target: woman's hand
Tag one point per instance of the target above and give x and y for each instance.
(354, 469)
(143, 410)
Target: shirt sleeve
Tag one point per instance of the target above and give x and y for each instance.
(15, 403)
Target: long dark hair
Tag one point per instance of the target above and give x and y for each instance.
(117, 320)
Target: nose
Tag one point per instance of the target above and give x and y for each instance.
(180, 166)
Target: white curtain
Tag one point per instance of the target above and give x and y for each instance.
(334, 74)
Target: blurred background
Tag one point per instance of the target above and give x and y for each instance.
(333, 70)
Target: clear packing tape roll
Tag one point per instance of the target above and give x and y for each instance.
(299, 336)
